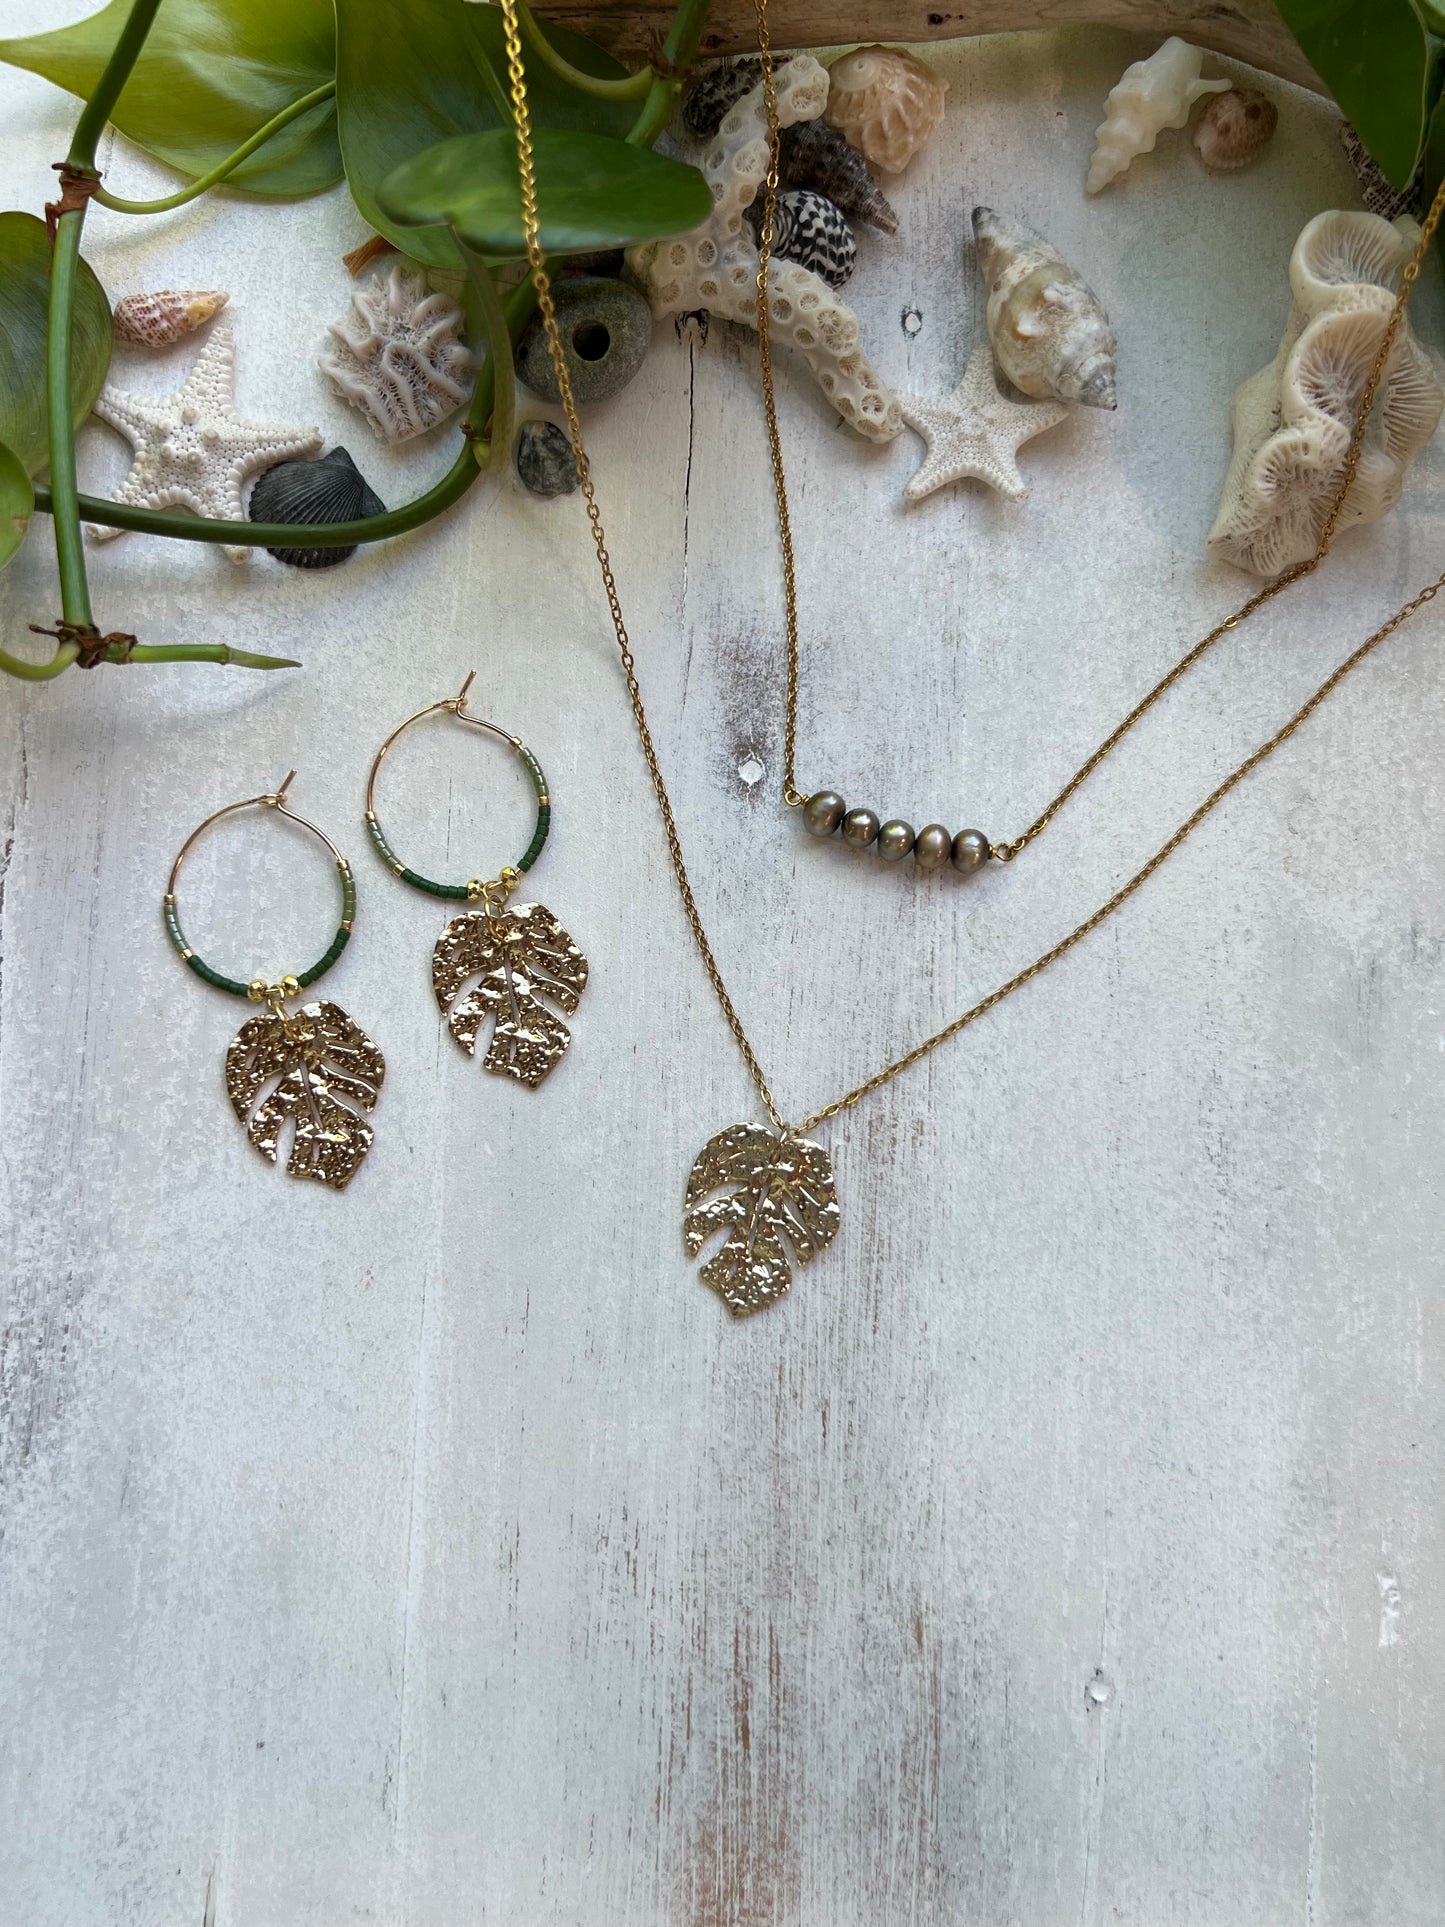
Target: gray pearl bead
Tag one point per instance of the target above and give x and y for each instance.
(970, 851)
(823, 812)
(859, 828)
(895, 840)
(932, 847)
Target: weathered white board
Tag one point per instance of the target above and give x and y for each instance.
(1068, 1548)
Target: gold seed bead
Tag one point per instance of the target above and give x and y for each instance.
(290, 987)
(256, 990)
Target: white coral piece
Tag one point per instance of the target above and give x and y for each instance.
(397, 358)
(1151, 95)
(716, 266)
(1292, 421)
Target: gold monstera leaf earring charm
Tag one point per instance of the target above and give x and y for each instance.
(322, 1069)
(500, 963)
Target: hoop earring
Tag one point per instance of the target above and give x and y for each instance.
(317, 1054)
(519, 953)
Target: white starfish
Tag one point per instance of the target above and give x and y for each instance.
(977, 430)
(192, 450)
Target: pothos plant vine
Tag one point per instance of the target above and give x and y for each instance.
(406, 102)
(280, 98)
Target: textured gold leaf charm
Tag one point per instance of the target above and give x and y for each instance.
(319, 1057)
(784, 1195)
(520, 958)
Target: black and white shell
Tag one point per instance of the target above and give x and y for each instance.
(715, 95)
(810, 230)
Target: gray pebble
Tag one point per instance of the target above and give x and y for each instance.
(544, 459)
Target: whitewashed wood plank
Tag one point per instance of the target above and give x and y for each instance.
(1068, 1546)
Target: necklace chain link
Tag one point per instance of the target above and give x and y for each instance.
(1005, 852)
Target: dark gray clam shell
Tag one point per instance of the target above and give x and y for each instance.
(329, 490)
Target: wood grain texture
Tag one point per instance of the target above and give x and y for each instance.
(1068, 1548)
(1249, 30)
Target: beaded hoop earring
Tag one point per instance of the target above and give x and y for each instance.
(316, 1054)
(518, 953)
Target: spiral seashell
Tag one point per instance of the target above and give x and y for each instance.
(1049, 331)
(329, 490)
(1234, 129)
(1151, 95)
(810, 230)
(812, 154)
(716, 93)
(886, 102)
(1377, 190)
(1293, 420)
(156, 320)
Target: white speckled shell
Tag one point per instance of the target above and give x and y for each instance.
(396, 358)
(886, 102)
(1151, 95)
(715, 266)
(1049, 331)
(157, 320)
(1292, 420)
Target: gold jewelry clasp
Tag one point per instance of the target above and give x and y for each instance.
(494, 892)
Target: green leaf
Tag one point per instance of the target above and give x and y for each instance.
(591, 192)
(24, 304)
(398, 94)
(1378, 59)
(212, 72)
(17, 499)
(1432, 160)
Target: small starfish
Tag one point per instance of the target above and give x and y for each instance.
(192, 450)
(977, 430)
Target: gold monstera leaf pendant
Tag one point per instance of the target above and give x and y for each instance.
(523, 962)
(780, 1193)
(327, 1071)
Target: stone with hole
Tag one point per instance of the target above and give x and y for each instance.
(605, 326)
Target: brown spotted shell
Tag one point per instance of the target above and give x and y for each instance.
(156, 320)
(1235, 128)
(886, 102)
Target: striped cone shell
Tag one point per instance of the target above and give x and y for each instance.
(156, 320)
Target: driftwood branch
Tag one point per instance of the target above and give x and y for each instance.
(1247, 29)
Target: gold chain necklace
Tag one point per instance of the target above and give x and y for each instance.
(771, 1189)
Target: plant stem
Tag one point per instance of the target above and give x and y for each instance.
(218, 173)
(632, 87)
(59, 410)
(517, 310)
(114, 75)
(69, 553)
(39, 671)
(203, 652)
(499, 342)
(678, 51)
